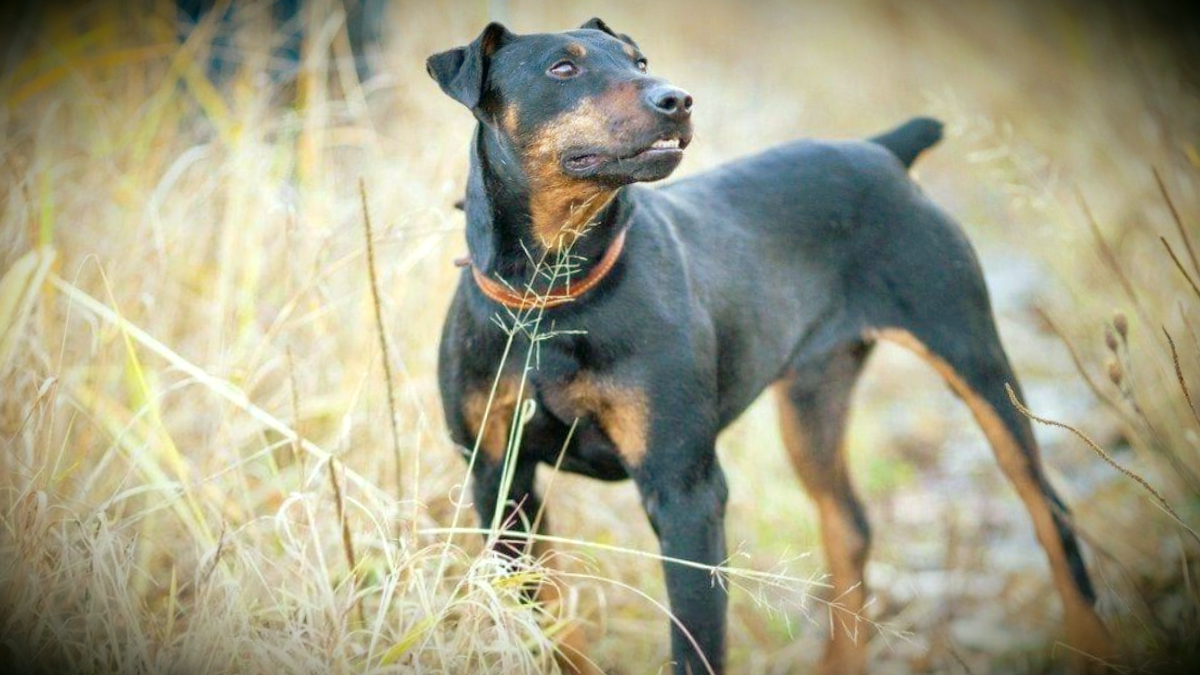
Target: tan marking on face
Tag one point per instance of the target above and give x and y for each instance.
(561, 214)
(510, 119)
(492, 432)
(561, 207)
(576, 49)
(1085, 631)
(622, 413)
(629, 51)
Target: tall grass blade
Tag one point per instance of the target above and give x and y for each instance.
(18, 291)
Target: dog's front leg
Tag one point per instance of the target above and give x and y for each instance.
(521, 512)
(684, 493)
(519, 508)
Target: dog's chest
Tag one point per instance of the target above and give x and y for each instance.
(619, 411)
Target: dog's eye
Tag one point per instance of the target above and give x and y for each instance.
(642, 65)
(563, 70)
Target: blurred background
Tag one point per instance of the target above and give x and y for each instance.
(200, 471)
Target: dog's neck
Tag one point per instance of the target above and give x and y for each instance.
(513, 227)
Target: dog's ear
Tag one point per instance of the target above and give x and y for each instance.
(462, 72)
(595, 23)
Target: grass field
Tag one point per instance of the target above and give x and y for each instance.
(208, 466)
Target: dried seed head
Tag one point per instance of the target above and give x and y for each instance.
(1110, 339)
(1115, 372)
(1121, 323)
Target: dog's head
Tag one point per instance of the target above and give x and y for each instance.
(576, 106)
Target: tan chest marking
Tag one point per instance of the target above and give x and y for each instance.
(622, 412)
(561, 207)
(491, 426)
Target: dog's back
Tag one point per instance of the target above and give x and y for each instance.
(795, 227)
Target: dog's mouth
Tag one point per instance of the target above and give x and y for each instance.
(670, 146)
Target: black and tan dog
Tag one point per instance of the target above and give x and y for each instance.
(673, 309)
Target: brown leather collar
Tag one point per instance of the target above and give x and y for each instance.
(522, 301)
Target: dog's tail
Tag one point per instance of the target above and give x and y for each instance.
(911, 138)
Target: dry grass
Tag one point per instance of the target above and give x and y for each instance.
(199, 468)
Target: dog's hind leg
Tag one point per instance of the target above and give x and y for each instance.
(814, 400)
(916, 280)
(963, 346)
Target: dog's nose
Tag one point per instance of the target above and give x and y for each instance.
(671, 101)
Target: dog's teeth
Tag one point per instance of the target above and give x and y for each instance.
(666, 144)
